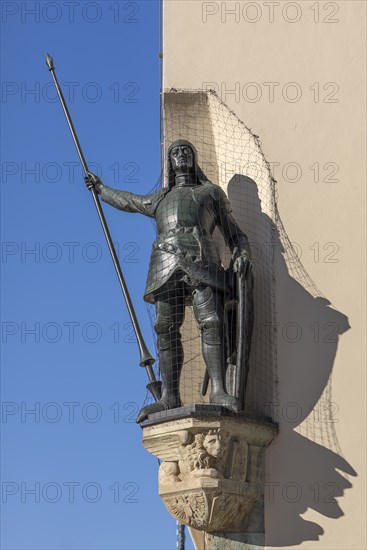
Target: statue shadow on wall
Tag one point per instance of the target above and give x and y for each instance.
(301, 475)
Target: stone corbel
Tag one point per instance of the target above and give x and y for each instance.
(212, 470)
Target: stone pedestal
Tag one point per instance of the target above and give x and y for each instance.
(212, 473)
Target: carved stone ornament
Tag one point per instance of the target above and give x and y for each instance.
(212, 469)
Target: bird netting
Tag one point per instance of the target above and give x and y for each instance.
(230, 156)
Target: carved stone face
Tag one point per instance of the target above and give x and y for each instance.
(213, 445)
(182, 159)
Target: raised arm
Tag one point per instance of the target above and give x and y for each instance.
(123, 200)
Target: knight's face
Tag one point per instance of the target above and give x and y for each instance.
(182, 158)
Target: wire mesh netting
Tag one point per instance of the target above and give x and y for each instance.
(230, 156)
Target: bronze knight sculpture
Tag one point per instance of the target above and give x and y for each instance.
(185, 269)
(212, 460)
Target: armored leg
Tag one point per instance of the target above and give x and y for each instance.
(170, 316)
(170, 309)
(209, 313)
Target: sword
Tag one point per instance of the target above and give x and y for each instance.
(240, 377)
(146, 360)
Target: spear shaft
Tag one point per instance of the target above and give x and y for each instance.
(146, 360)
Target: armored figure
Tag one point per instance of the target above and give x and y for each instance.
(185, 267)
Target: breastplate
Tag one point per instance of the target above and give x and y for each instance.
(185, 218)
(184, 223)
(178, 209)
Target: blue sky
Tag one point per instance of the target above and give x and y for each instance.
(74, 472)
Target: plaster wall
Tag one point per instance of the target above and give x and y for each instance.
(294, 72)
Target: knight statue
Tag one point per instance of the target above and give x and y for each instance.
(186, 270)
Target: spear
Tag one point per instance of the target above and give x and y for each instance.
(146, 360)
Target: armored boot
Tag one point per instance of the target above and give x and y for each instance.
(214, 359)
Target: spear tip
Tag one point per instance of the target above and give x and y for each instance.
(49, 62)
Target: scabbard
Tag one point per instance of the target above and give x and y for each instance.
(240, 375)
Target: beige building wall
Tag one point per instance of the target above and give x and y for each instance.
(295, 73)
